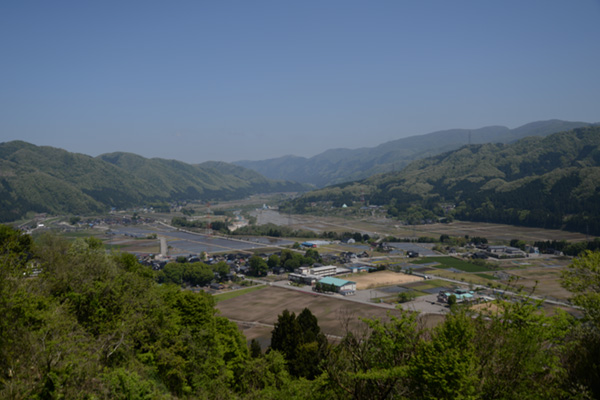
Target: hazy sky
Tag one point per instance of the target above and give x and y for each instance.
(231, 80)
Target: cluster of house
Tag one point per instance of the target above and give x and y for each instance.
(238, 262)
(347, 257)
(307, 275)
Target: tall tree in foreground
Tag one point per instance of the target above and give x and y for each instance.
(372, 362)
(301, 342)
(582, 361)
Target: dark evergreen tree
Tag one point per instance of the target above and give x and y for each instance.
(255, 349)
(300, 341)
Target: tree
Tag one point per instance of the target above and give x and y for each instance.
(404, 297)
(582, 278)
(313, 254)
(444, 367)
(222, 269)
(313, 347)
(371, 361)
(172, 273)
(286, 254)
(452, 300)
(255, 349)
(96, 325)
(273, 261)
(197, 274)
(300, 341)
(518, 243)
(258, 266)
(291, 264)
(286, 335)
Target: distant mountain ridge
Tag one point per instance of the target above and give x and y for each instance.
(344, 165)
(549, 182)
(47, 179)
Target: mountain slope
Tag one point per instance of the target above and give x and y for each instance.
(342, 165)
(551, 182)
(46, 179)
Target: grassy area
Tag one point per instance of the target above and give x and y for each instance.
(425, 285)
(395, 298)
(488, 276)
(464, 277)
(427, 260)
(80, 234)
(235, 293)
(451, 262)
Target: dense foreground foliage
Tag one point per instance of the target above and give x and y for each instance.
(81, 323)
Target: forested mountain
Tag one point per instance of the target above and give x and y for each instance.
(47, 179)
(80, 323)
(343, 165)
(551, 182)
(210, 180)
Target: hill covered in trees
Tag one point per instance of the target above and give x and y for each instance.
(47, 179)
(343, 165)
(81, 323)
(550, 182)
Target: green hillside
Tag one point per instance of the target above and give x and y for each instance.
(46, 179)
(551, 182)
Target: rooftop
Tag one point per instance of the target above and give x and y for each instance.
(334, 281)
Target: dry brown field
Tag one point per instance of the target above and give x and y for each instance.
(381, 278)
(546, 281)
(498, 232)
(257, 312)
(135, 246)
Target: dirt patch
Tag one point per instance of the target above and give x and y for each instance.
(381, 278)
(487, 308)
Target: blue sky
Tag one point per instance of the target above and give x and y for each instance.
(232, 80)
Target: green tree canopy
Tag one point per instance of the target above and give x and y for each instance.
(258, 266)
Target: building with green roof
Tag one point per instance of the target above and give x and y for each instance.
(337, 285)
